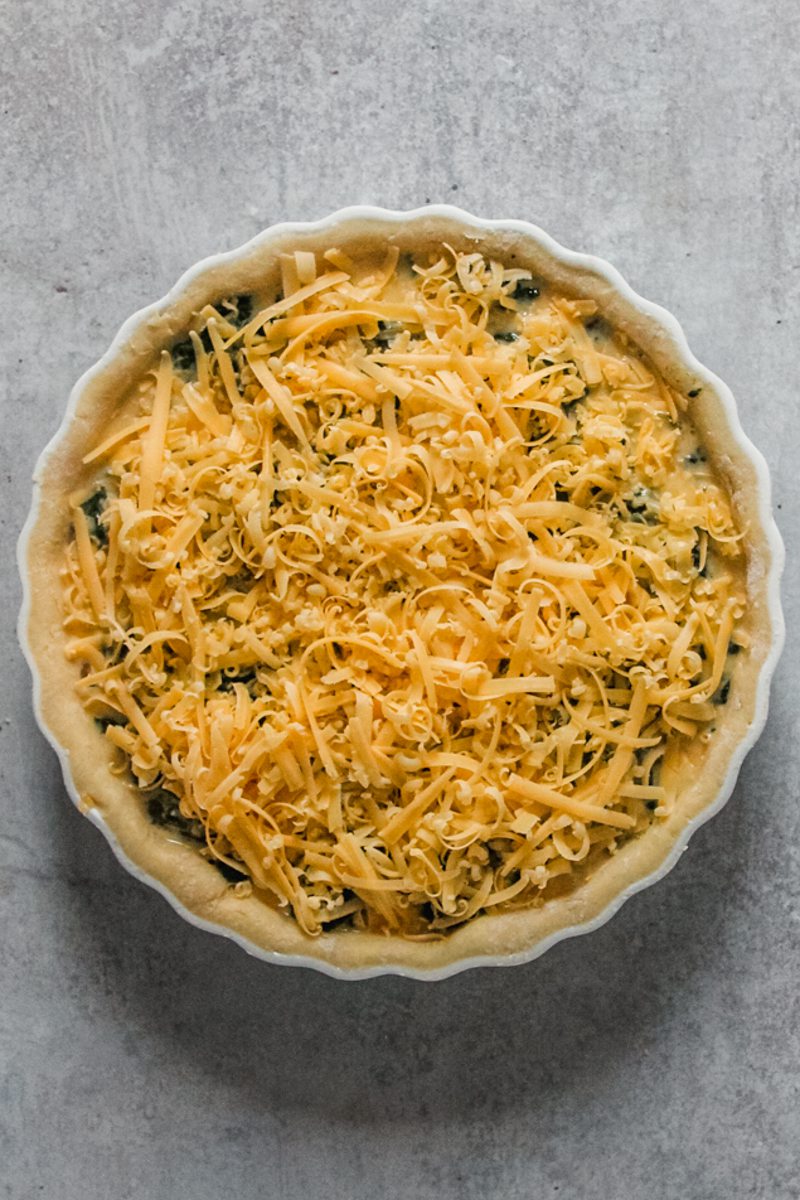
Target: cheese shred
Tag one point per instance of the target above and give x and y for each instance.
(406, 593)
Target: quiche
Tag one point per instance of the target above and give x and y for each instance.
(398, 595)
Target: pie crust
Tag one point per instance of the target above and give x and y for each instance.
(192, 885)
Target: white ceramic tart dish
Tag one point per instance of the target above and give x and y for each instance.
(400, 593)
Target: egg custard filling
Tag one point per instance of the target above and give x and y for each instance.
(406, 594)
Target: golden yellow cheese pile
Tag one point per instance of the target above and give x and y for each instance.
(406, 595)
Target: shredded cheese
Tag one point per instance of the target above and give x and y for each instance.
(401, 595)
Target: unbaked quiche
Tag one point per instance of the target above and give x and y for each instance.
(399, 596)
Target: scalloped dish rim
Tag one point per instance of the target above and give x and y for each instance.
(658, 317)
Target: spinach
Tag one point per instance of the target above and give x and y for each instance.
(387, 332)
(183, 356)
(721, 694)
(244, 310)
(506, 336)
(495, 857)
(702, 572)
(246, 675)
(163, 809)
(597, 327)
(569, 405)
(640, 506)
(103, 723)
(184, 361)
(525, 289)
(93, 508)
(230, 874)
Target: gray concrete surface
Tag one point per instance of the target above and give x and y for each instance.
(141, 1058)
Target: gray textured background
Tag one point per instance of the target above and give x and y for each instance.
(142, 1058)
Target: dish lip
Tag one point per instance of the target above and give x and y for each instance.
(588, 262)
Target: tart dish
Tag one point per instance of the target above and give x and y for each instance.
(400, 593)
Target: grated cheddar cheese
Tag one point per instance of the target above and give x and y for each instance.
(406, 593)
